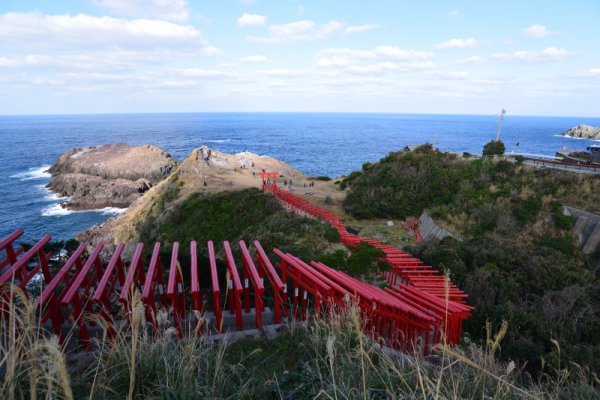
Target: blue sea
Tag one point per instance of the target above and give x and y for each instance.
(330, 144)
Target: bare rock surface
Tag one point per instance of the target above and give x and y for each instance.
(109, 175)
(204, 170)
(583, 132)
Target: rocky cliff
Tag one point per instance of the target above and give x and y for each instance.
(204, 170)
(108, 175)
(583, 132)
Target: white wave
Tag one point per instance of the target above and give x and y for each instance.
(217, 140)
(33, 173)
(577, 138)
(54, 210)
(54, 197)
(49, 195)
(110, 210)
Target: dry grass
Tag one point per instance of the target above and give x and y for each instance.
(332, 359)
(32, 363)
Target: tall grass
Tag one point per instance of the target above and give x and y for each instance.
(319, 359)
(32, 362)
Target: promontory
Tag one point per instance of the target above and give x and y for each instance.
(111, 175)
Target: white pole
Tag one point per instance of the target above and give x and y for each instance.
(500, 119)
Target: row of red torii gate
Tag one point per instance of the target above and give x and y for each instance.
(419, 308)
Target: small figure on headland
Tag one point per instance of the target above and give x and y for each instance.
(205, 185)
(285, 182)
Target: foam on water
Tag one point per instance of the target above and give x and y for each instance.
(33, 173)
(577, 138)
(110, 210)
(217, 140)
(55, 210)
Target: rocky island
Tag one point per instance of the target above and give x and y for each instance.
(583, 132)
(111, 175)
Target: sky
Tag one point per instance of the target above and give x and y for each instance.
(391, 56)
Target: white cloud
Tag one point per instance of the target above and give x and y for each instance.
(448, 75)
(284, 73)
(346, 56)
(251, 20)
(36, 30)
(227, 65)
(457, 44)
(171, 10)
(360, 28)
(255, 59)
(470, 60)
(381, 59)
(537, 31)
(204, 73)
(593, 72)
(589, 73)
(298, 31)
(454, 13)
(548, 54)
(388, 66)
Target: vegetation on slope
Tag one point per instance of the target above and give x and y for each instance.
(236, 215)
(324, 359)
(518, 259)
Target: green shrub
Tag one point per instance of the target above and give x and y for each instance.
(564, 244)
(337, 259)
(526, 210)
(236, 215)
(332, 235)
(349, 179)
(321, 178)
(541, 288)
(365, 259)
(494, 148)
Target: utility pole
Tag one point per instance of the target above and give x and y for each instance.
(500, 119)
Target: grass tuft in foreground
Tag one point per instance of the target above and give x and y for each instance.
(323, 359)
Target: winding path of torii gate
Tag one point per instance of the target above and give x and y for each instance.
(419, 309)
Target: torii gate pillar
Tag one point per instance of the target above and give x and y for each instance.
(269, 178)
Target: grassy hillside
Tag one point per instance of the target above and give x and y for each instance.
(518, 259)
(235, 215)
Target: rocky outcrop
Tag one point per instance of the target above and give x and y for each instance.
(583, 132)
(108, 175)
(204, 170)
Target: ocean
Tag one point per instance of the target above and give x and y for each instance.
(330, 144)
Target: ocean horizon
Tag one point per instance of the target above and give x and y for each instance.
(316, 143)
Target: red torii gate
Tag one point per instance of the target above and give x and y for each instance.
(268, 176)
(410, 315)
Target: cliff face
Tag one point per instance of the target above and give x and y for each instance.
(205, 171)
(583, 132)
(109, 175)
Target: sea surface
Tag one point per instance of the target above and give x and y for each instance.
(330, 144)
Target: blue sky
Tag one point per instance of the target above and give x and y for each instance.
(457, 57)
